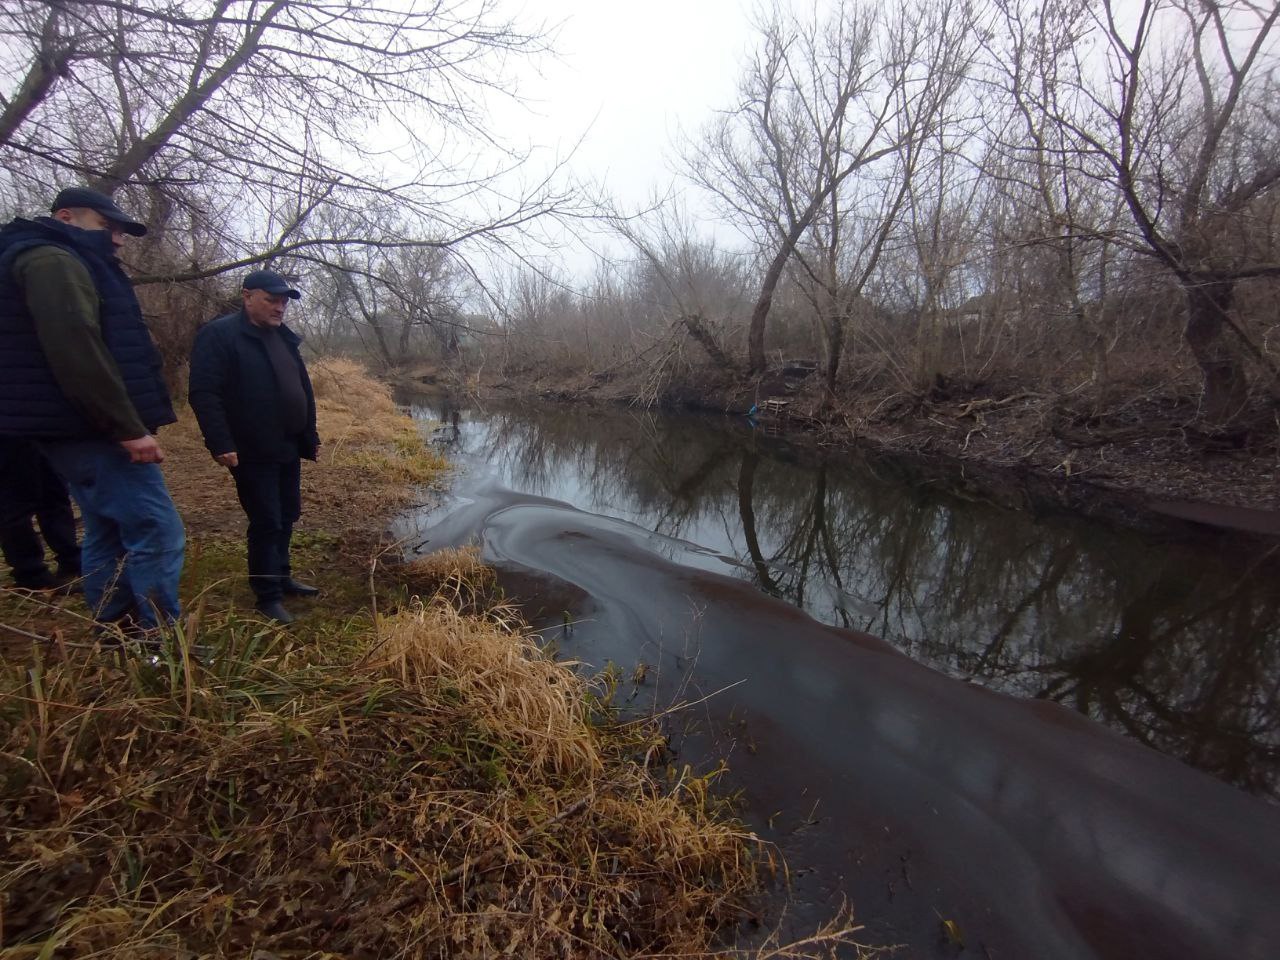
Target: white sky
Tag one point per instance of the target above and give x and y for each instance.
(624, 79)
(628, 76)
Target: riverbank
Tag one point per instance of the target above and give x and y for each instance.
(973, 779)
(401, 773)
(1142, 458)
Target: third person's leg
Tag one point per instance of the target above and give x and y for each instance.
(57, 522)
(23, 551)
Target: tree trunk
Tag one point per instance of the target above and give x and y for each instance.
(747, 513)
(49, 63)
(388, 361)
(405, 328)
(693, 323)
(835, 351)
(1226, 387)
(755, 334)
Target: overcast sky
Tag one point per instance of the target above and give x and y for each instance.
(629, 75)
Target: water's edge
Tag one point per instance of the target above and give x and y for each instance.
(917, 796)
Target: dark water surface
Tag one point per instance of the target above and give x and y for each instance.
(687, 548)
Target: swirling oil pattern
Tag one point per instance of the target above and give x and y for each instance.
(938, 709)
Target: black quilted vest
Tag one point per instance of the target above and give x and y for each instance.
(31, 405)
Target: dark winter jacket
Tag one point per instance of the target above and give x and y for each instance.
(235, 396)
(31, 402)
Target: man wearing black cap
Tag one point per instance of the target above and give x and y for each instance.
(80, 376)
(250, 391)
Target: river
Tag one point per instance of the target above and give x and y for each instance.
(1059, 736)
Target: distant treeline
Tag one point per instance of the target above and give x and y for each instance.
(1077, 192)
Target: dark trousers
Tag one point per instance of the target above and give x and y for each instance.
(271, 495)
(30, 489)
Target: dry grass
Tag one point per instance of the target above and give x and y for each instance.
(460, 565)
(363, 429)
(513, 691)
(442, 792)
(457, 572)
(351, 404)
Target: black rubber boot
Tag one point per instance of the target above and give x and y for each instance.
(275, 611)
(41, 581)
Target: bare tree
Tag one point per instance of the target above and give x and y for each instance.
(397, 303)
(884, 204)
(1172, 113)
(241, 119)
(429, 286)
(686, 285)
(821, 102)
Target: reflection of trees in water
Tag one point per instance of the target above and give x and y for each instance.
(1190, 672)
(629, 460)
(1178, 650)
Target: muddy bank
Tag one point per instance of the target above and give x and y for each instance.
(918, 797)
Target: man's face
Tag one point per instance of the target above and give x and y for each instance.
(87, 219)
(264, 309)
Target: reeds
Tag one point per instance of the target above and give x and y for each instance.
(443, 792)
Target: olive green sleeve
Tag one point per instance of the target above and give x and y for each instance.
(63, 302)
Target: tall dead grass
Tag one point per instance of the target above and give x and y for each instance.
(363, 429)
(351, 406)
(444, 792)
(515, 693)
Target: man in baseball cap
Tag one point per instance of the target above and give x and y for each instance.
(80, 377)
(271, 282)
(82, 198)
(251, 394)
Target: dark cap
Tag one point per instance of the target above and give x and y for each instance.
(271, 282)
(84, 197)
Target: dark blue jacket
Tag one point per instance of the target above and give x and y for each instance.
(31, 403)
(234, 394)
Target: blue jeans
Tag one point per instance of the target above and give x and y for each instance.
(133, 543)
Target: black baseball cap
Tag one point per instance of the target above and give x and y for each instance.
(271, 282)
(84, 197)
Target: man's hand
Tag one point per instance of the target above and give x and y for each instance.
(228, 460)
(143, 450)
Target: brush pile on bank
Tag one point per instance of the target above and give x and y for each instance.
(439, 789)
